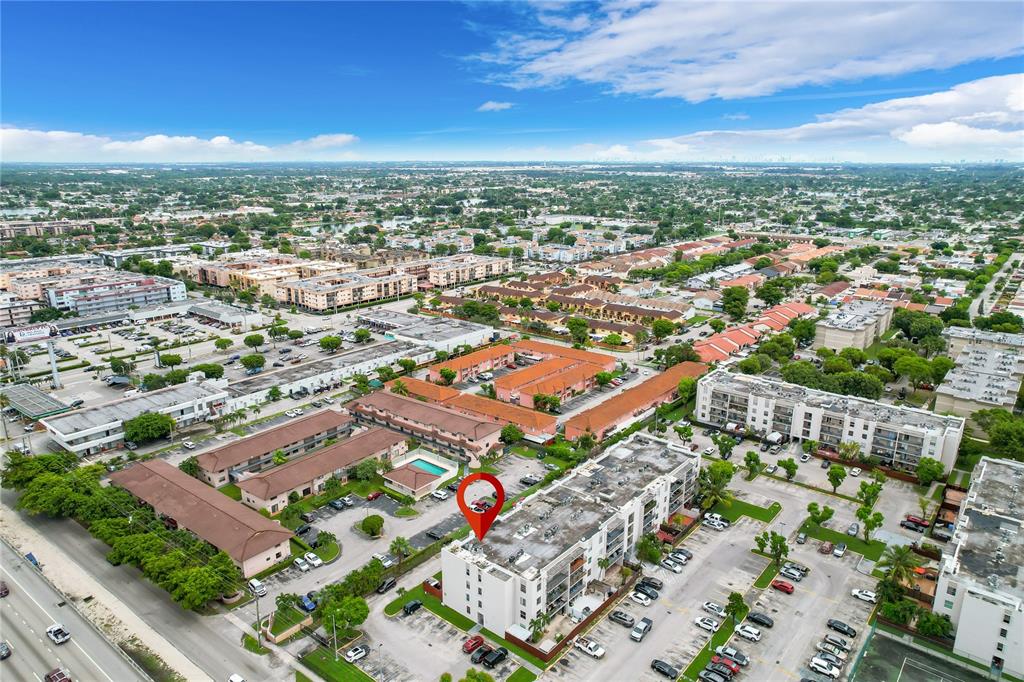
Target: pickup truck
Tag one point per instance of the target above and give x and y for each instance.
(589, 647)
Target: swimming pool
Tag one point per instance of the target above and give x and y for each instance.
(429, 467)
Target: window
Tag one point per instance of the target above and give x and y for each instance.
(1006, 618)
(1002, 632)
(999, 646)
(951, 590)
(467, 609)
(522, 601)
(948, 603)
(467, 570)
(479, 591)
(522, 614)
(480, 604)
(522, 587)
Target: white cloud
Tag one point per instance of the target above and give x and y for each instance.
(698, 51)
(980, 120)
(491, 105)
(20, 144)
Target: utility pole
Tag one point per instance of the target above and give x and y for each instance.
(259, 624)
(334, 633)
(53, 366)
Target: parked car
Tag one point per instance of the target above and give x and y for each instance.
(708, 676)
(357, 653)
(685, 552)
(589, 647)
(730, 664)
(717, 518)
(641, 629)
(910, 525)
(307, 604)
(783, 586)
(761, 619)
(412, 607)
(799, 568)
(865, 595)
(5, 650)
(771, 469)
(804, 458)
(723, 670)
(749, 632)
(791, 574)
(841, 627)
(646, 590)
(386, 584)
(714, 608)
(622, 618)
(479, 654)
(662, 668)
(832, 650)
(855, 472)
(58, 634)
(825, 548)
(836, 641)
(840, 550)
(336, 504)
(823, 667)
(652, 582)
(853, 529)
(495, 657)
(473, 643)
(705, 623)
(671, 565)
(641, 599)
(439, 494)
(373, 496)
(733, 654)
(313, 560)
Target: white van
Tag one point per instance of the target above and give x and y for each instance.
(257, 588)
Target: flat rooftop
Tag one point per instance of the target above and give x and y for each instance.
(267, 380)
(985, 375)
(31, 401)
(549, 522)
(989, 543)
(897, 415)
(856, 315)
(128, 408)
(982, 335)
(434, 329)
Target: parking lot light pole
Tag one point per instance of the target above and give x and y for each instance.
(334, 632)
(259, 626)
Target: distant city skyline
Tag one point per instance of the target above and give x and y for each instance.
(657, 81)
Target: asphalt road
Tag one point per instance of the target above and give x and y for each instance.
(32, 606)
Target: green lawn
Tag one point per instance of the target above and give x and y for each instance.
(250, 644)
(737, 508)
(703, 656)
(285, 619)
(403, 512)
(872, 550)
(523, 451)
(768, 574)
(328, 552)
(560, 463)
(232, 491)
(299, 677)
(521, 675)
(322, 662)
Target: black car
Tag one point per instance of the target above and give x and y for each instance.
(660, 666)
(708, 676)
(765, 446)
(825, 464)
(653, 582)
(760, 619)
(685, 552)
(386, 585)
(528, 481)
(479, 654)
(434, 535)
(302, 529)
(916, 527)
(622, 618)
(5, 650)
(646, 590)
(841, 627)
(722, 670)
(412, 607)
(495, 657)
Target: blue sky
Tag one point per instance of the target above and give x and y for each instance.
(654, 81)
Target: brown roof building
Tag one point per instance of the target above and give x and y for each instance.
(308, 475)
(253, 542)
(474, 363)
(427, 390)
(295, 437)
(532, 423)
(605, 417)
(550, 350)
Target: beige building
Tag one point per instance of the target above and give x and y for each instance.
(984, 378)
(334, 291)
(308, 475)
(857, 324)
(959, 338)
(456, 270)
(253, 542)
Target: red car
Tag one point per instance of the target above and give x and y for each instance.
(727, 662)
(783, 586)
(373, 496)
(917, 519)
(472, 644)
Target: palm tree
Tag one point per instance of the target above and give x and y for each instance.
(401, 548)
(899, 563)
(538, 624)
(399, 387)
(603, 563)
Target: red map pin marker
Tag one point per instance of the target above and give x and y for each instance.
(480, 522)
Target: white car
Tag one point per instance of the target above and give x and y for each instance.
(749, 632)
(641, 599)
(385, 559)
(709, 450)
(290, 413)
(805, 458)
(715, 608)
(855, 471)
(717, 525)
(820, 665)
(188, 445)
(298, 412)
(301, 563)
(57, 634)
(719, 518)
(771, 469)
(831, 649)
(439, 494)
(356, 653)
(313, 560)
(705, 623)
(589, 647)
(865, 595)
(671, 565)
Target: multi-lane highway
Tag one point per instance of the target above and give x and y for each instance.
(30, 608)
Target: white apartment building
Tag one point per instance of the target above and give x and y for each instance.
(959, 338)
(456, 270)
(104, 291)
(898, 436)
(981, 581)
(857, 324)
(94, 429)
(543, 556)
(984, 378)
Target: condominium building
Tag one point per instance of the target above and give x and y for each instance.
(472, 364)
(118, 257)
(546, 555)
(558, 376)
(228, 463)
(898, 436)
(857, 324)
(94, 429)
(984, 378)
(308, 475)
(467, 437)
(321, 294)
(14, 313)
(253, 542)
(103, 291)
(959, 338)
(440, 333)
(981, 581)
(457, 270)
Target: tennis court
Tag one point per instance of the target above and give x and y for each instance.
(887, 660)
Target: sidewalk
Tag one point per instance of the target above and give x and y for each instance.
(283, 653)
